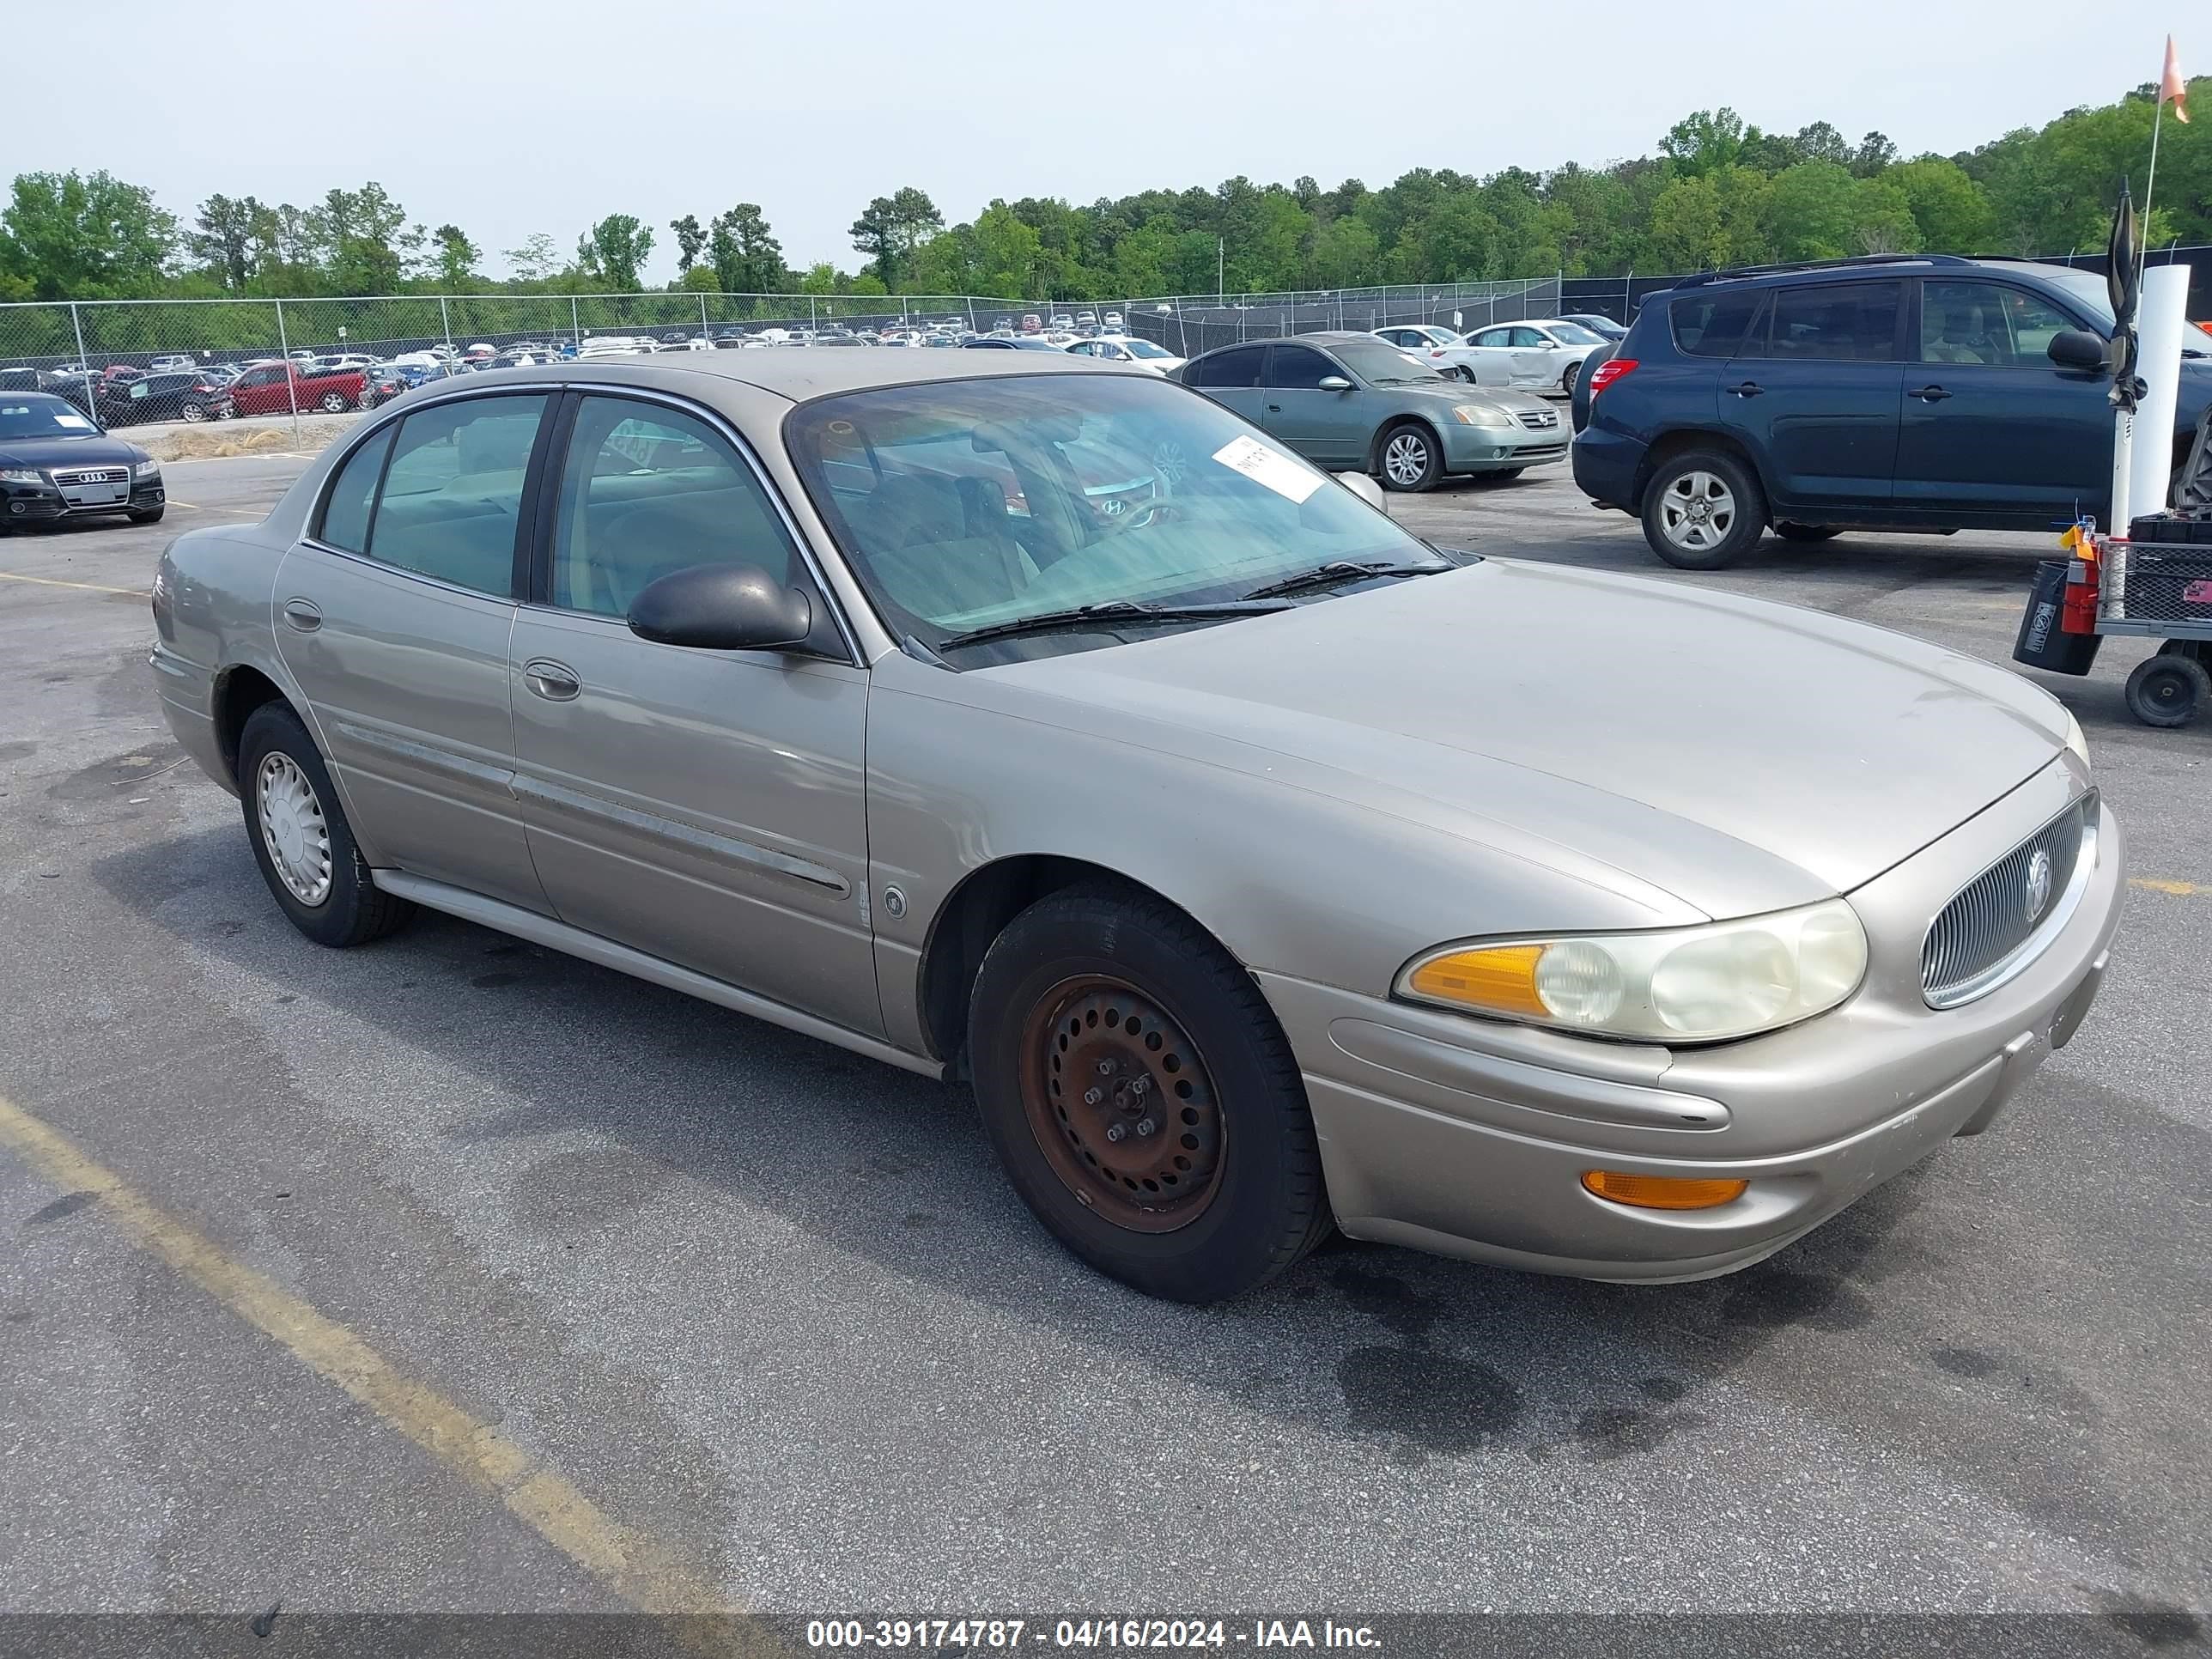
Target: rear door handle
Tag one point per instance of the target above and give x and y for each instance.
(1928, 394)
(556, 682)
(1747, 389)
(1274, 409)
(302, 614)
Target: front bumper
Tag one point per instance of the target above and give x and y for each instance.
(1493, 449)
(1469, 1137)
(44, 503)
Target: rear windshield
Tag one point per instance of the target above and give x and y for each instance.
(1712, 325)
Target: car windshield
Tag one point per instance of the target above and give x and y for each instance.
(1380, 363)
(965, 504)
(1573, 334)
(1145, 349)
(40, 417)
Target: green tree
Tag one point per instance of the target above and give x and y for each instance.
(1949, 212)
(745, 254)
(71, 235)
(1812, 211)
(820, 278)
(612, 252)
(223, 238)
(1346, 254)
(359, 238)
(456, 258)
(1704, 141)
(537, 259)
(890, 228)
(690, 239)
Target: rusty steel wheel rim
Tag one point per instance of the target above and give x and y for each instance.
(1121, 1103)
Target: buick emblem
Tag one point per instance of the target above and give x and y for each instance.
(2037, 893)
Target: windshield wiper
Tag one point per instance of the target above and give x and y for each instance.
(1345, 570)
(1109, 613)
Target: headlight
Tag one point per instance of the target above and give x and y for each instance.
(1725, 979)
(1482, 414)
(29, 475)
(2075, 740)
(146, 469)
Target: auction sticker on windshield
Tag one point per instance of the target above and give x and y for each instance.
(1267, 468)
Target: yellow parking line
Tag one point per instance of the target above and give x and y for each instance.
(641, 1571)
(87, 588)
(2170, 888)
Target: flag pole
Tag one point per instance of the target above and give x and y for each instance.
(2150, 183)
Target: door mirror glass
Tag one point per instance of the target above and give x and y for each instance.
(2076, 347)
(1334, 383)
(1363, 487)
(722, 607)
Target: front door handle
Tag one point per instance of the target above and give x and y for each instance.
(554, 681)
(1274, 409)
(302, 614)
(1928, 394)
(1747, 389)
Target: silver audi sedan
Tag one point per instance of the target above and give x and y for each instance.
(1044, 726)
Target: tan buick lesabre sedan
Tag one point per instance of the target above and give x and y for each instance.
(1045, 725)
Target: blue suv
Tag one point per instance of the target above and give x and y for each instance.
(1919, 392)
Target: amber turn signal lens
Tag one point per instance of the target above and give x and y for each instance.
(1648, 1192)
(1502, 978)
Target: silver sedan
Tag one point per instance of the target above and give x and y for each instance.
(1260, 868)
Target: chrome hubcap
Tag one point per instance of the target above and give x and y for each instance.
(1696, 512)
(1168, 461)
(1405, 459)
(293, 828)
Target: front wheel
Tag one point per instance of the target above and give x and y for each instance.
(1142, 1098)
(194, 412)
(333, 403)
(2168, 689)
(1702, 510)
(301, 837)
(1410, 458)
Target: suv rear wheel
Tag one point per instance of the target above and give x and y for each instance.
(1702, 510)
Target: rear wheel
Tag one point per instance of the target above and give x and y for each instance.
(1807, 533)
(1143, 1101)
(1567, 378)
(333, 403)
(301, 837)
(1409, 458)
(1702, 510)
(195, 411)
(2168, 689)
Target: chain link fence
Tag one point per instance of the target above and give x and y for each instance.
(1187, 325)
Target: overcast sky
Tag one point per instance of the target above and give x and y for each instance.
(507, 117)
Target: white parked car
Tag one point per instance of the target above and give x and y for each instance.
(1111, 322)
(1544, 354)
(1422, 337)
(1127, 349)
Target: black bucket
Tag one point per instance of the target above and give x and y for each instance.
(2042, 643)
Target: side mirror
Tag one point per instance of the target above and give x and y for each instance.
(1334, 383)
(722, 607)
(2076, 347)
(1363, 487)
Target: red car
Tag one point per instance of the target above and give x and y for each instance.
(262, 390)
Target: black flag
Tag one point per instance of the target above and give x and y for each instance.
(2124, 281)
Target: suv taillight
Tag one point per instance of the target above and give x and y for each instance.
(1609, 371)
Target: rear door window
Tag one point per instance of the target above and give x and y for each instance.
(453, 493)
(1848, 322)
(1237, 367)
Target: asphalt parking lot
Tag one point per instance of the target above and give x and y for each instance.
(769, 1311)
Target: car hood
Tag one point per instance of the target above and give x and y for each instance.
(1737, 754)
(91, 449)
(1444, 396)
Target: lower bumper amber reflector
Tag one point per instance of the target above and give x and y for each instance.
(1648, 1192)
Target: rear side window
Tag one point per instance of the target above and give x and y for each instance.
(1713, 324)
(345, 510)
(1850, 322)
(1239, 367)
(453, 495)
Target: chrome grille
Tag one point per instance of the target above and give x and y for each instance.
(76, 477)
(1999, 920)
(1539, 420)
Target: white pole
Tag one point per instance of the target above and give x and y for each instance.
(446, 327)
(2151, 183)
(291, 372)
(2124, 444)
(91, 395)
(2161, 325)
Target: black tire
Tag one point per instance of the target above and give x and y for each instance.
(355, 910)
(1573, 373)
(332, 403)
(1465, 372)
(1807, 533)
(1719, 540)
(1419, 442)
(2168, 689)
(148, 515)
(1265, 1207)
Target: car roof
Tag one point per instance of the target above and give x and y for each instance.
(797, 375)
